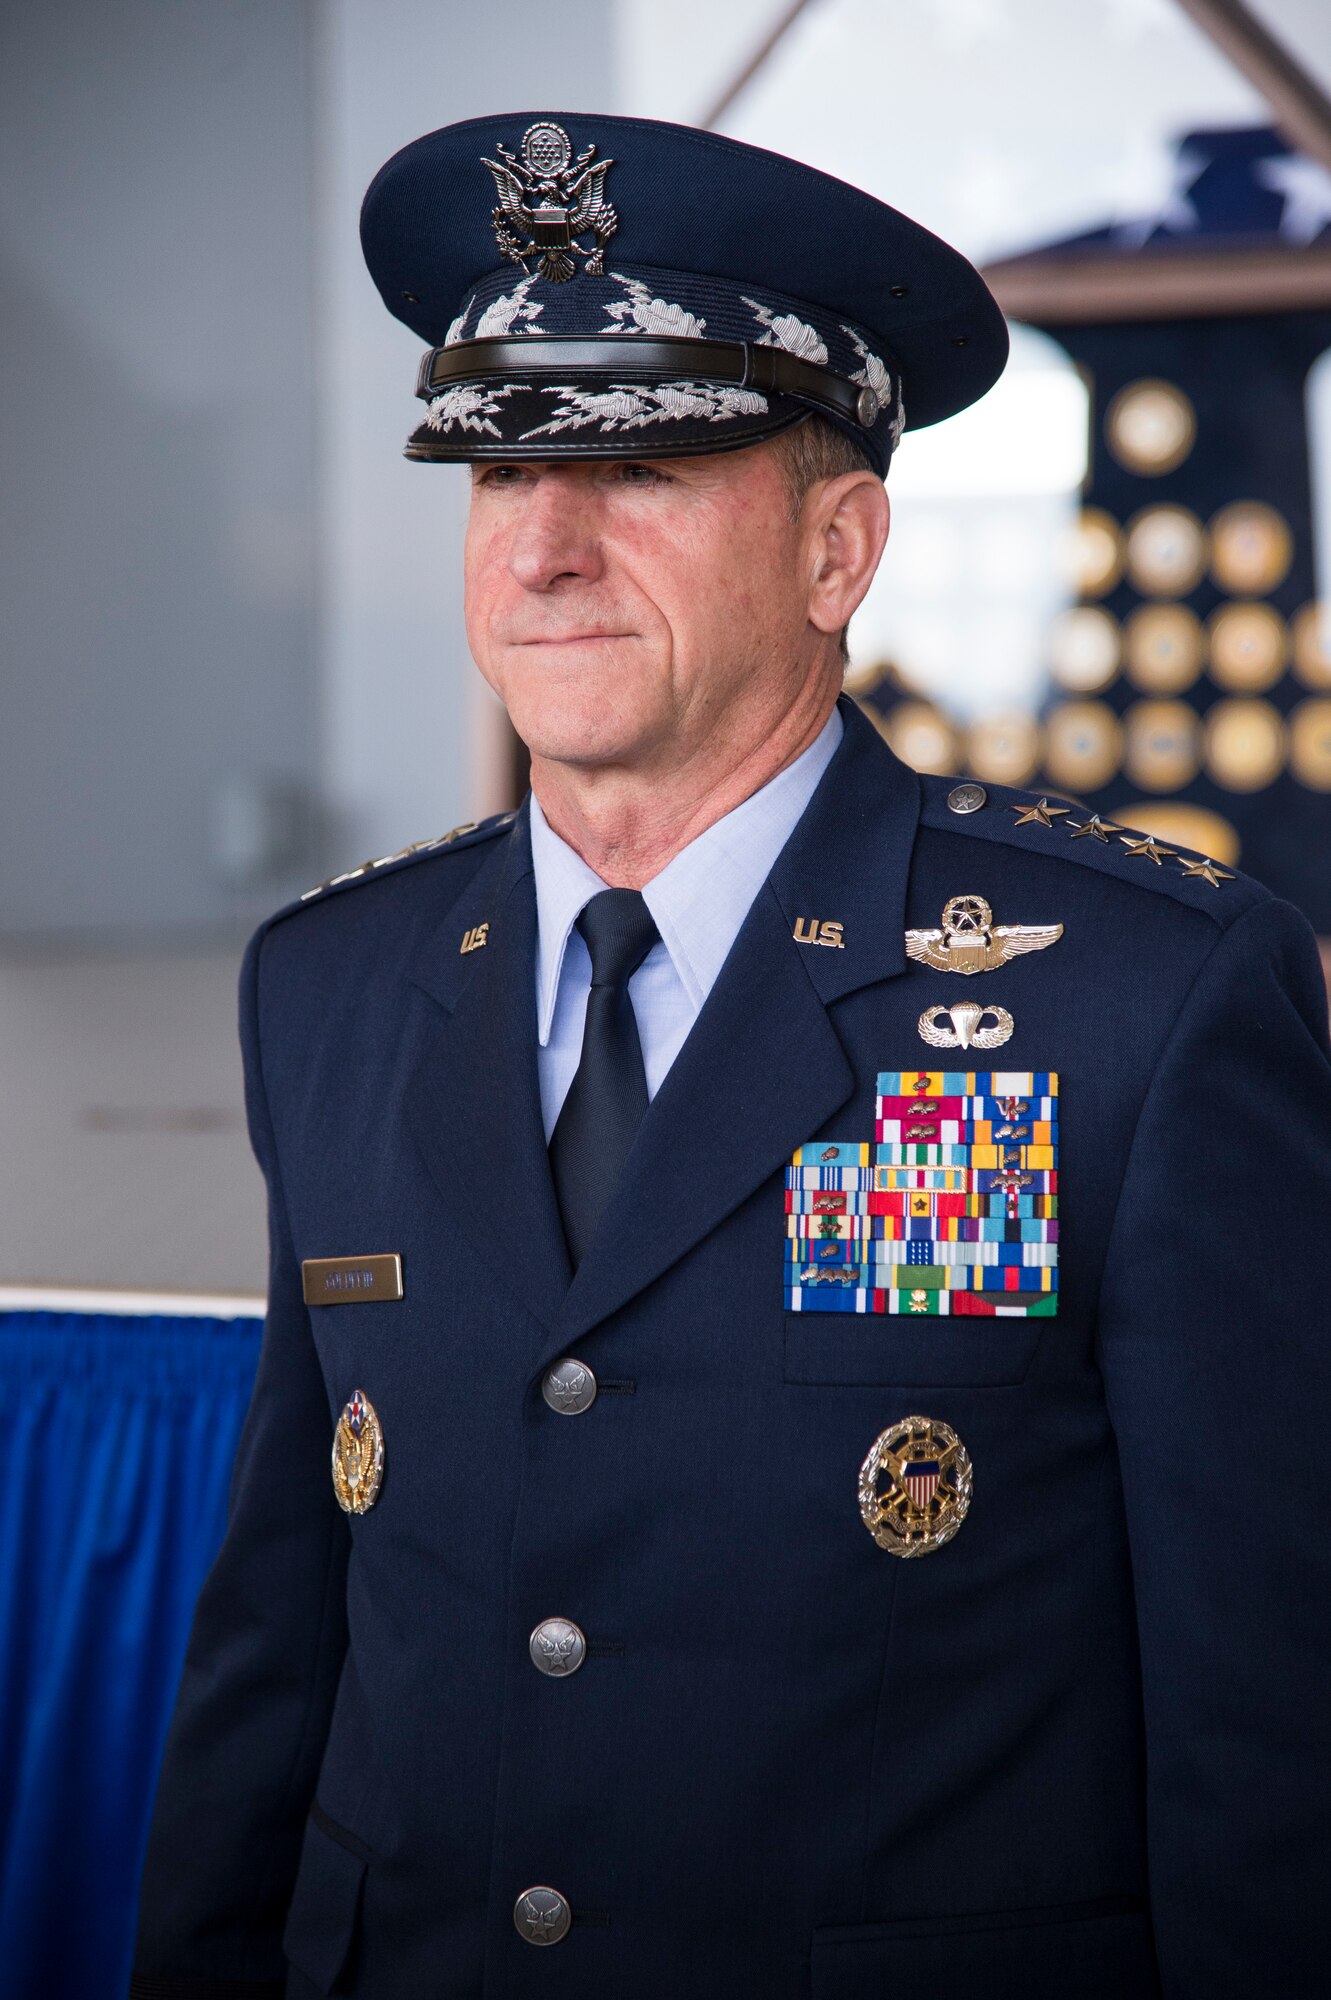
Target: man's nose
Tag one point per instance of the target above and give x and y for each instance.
(555, 536)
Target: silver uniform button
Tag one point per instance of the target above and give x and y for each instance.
(557, 1647)
(542, 1915)
(569, 1387)
(966, 798)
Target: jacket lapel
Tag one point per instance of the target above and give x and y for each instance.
(473, 1104)
(763, 1068)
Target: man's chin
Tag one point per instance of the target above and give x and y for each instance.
(582, 719)
(595, 737)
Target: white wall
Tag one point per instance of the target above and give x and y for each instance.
(231, 648)
(156, 596)
(407, 751)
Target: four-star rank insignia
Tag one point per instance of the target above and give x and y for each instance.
(915, 1486)
(970, 940)
(547, 200)
(358, 1456)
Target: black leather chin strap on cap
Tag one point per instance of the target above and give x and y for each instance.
(627, 357)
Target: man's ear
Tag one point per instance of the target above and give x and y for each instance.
(849, 521)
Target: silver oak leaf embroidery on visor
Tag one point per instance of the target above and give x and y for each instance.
(784, 330)
(898, 423)
(631, 408)
(454, 334)
(874, 375)
(508, 314)
(469, 407)
(641, 313)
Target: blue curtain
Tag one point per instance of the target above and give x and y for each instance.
(115, 1458)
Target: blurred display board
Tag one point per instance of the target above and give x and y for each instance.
(1188, 680)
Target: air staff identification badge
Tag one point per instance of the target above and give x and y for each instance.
(358, 1456)
(952, 1210)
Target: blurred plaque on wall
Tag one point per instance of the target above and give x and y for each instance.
(1165, 648)
(1166, 551)
(1150, 427)
(1249, 647)
(1196, 329)
(1083, 746)
(1310, 743)
(1095, 557)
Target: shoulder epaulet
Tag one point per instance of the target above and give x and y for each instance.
(1057, 826)
(459, 836)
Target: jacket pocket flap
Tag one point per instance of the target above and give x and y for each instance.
(326, 1901)
(1099, 1951)
(845, 1349)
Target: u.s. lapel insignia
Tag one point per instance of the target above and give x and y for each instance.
(813, 930)
(358, 1456)
(967, 1029)
(915, 1486)
(970, 941)
(551, 199)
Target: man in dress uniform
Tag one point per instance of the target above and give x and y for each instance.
(808, 1274)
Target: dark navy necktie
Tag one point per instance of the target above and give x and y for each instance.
(608, 1095)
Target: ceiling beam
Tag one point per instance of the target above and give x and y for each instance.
(767, 47)
(1299, 104)
(1080, 287)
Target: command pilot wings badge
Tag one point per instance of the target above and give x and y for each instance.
(547, 199)
(970, 940)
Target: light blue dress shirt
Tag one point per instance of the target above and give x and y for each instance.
(698, 902)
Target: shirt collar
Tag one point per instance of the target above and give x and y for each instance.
(699, 899)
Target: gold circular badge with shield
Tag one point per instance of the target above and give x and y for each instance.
(1310, 743)
(1084, 649)
(1163, 750)
(1312, 644)
(1150, 426)
(1166, 551)
(1164, 648)
(915, 1486)
(1004, 749)
(1094, 553)
(1249, 647)
(1083, 745)
(1251, 548)
(1245, 744)
(358, 1456)
(922, 737)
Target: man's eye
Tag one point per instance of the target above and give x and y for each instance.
(634, 473)
(498, 475)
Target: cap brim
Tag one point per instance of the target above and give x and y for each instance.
(593, 419)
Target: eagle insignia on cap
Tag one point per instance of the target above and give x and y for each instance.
(547, 200)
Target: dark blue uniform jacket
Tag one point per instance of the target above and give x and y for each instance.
(1080, 1751)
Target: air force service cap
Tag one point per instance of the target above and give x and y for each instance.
(616, 287)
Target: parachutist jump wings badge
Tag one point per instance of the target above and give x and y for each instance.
(970, 940)
(547, 199)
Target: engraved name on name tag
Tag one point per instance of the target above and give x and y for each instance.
(344, 1281)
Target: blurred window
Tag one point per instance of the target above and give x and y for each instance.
(973, 577)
